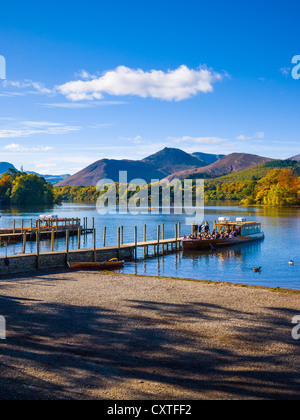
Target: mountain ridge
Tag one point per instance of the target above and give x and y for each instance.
(163, 165)
(235, 162)
(156, 166)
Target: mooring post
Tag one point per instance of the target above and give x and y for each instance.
(22, 227)
(37, 250)
(145, 240)
(176, 237)
(158, 238)
(104, 237)
(93, 222)
(24, 243)
(67, 246)
(52, 240)
(163, 237)
(30, 224)
(94, 242)
(122, 235)
(179, 235)
(79, 238)
(135, 242)
(14, 226)
(119, 241)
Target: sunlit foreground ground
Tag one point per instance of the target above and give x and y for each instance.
(110, 336)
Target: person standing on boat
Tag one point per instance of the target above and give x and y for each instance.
(195, 229)
(206, 227)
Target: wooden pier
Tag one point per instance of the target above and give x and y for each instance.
(46, 228)
(129, 251)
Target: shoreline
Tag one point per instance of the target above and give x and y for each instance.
(89, 335)
(209, 282)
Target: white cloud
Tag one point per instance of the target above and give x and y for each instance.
(45, 165)
(136, 139)
(85, 75)
(19, 148)
(198, 140)
(285, 71)
(258, 135)
(173, 85)
(38, 88)
(29, 128)
(78, 105)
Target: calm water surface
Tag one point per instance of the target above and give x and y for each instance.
(282, 243)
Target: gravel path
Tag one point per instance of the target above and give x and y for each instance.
(109, 336)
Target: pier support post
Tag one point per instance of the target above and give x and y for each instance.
(94, 243)
(52, 240)
(37, 250)
(14, 226)
(135, 243)
(119, 242)
(176, 237)
(122, 235)
(79, 238)
(24, 243)
(104, 237)
(158, 239)
(163, 237)
(67, 246)
(145, 241)
(22, 227)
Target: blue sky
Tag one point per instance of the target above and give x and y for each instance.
(124, 79)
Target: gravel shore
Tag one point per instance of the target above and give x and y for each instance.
(85, 335)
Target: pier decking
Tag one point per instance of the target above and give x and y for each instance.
(24, 262)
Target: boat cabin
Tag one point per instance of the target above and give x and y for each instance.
(244, 227)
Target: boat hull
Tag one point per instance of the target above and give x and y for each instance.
(90, 266)
(198, 244)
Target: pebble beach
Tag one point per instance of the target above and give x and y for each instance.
(87, 335)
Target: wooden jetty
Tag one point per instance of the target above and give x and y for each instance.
(128, 252)
(46, 227)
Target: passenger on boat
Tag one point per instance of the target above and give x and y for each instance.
(206, 227)
(195, 228)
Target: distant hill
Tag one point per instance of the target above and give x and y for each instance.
(53, 179)
(229, 164)
(297, 157)
(109, 169)
(207, 159)
(5, 166)
(169, 164)
(258, 172)
(170, 160)
(156, 166)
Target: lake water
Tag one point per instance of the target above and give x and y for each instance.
(282, 243)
